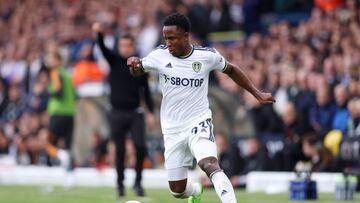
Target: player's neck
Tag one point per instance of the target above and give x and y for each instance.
(187, 51)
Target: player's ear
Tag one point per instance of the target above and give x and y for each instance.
(186, 35)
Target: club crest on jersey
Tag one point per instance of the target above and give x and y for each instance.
(196, 66)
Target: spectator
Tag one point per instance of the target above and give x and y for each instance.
(15, 105)
(320, 157)
(353, 129)
(287, 90)
(342, 115)
(38, 97)
(349, 148)
(294, 128)
(305, 98)
(88, 75)
(322, 113)
(220, 19)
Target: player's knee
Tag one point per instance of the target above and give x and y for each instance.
(177, 188)
(209, 165)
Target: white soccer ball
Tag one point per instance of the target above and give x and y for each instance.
(132, 201)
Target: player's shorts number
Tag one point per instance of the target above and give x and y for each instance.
(204, 129)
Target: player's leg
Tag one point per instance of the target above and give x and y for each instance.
(221, 182)
(119, 124)
(204, 149)
(179, 185)
(177, 160)
(138, 136)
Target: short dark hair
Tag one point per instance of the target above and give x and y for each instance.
(178, 20)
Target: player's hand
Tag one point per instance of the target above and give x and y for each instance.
(97, 27)
(134, 62)
(265, 98)
(135, 66)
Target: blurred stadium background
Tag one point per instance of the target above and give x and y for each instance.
(306, 52)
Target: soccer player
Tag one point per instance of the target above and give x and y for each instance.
(185, 115)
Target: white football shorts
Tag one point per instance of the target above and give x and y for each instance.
(197, 141)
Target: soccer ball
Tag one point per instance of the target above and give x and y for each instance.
(132, 201)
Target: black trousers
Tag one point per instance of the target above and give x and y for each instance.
(122, 123)
(62, 127)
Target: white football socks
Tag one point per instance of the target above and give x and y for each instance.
(192, 189)
(223, 187)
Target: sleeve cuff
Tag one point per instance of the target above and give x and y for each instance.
(225, 66)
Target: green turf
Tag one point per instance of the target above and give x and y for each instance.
(30, 194)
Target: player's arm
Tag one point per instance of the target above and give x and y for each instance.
(239, 76)
(135, 66)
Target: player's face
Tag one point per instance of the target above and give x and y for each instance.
(126, 47)
(176, 40)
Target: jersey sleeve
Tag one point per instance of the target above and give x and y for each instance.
(219, 62)
(151, 61)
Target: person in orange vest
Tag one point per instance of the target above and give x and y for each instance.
(328, 5)
(87, 70)
(89, 81)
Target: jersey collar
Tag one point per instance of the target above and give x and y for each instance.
(189, 54)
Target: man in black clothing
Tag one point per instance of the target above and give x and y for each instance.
(126, 114)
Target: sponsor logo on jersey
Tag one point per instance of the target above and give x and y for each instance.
(186, 82)
(196, 66)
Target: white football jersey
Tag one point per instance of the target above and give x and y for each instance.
(184, 82)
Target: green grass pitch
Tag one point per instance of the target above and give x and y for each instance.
(32, 194)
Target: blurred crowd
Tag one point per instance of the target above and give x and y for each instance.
(312, 68)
